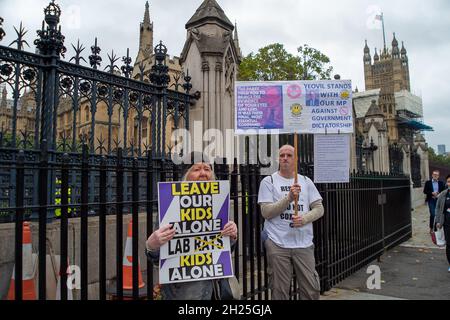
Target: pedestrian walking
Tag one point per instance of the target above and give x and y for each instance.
(432, 189)
(443, 217)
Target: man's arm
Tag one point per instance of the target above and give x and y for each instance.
(426, 188)
(315, 213)
(272, 210)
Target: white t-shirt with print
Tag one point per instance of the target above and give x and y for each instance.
(280, 229)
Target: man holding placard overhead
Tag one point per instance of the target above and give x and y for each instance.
(289, 204)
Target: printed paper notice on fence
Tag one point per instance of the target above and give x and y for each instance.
(332, 158)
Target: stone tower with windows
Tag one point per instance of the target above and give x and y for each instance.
(390, 68)
(397, 138)
(388, 72)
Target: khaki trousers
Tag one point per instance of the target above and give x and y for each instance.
(281, 261)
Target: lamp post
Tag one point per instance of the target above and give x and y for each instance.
(368, 150)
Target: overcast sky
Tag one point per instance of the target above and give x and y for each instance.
(337, 28)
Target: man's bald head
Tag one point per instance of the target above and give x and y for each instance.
(287, 147)
(287, 160)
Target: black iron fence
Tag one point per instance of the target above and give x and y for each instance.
(396, 159)
(49, 105)
(416, 175)
(362, 219)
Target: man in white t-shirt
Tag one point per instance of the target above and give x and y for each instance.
(289, 241)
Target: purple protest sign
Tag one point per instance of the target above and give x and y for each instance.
(259, 107)
(198, 212)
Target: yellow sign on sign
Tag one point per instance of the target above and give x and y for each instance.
(58, 198)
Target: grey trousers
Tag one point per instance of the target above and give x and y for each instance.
(281, 261)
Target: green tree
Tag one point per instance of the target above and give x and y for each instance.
(271, 63)
(274, 63)
(439, 159)
(315, 64)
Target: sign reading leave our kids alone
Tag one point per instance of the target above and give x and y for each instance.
(198, 211)
(294, 106)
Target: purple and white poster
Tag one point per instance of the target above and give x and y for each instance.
(260, 107)
(198, 211)
(275, 107)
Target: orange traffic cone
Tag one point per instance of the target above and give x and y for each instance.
(128, 262)
(28, 285)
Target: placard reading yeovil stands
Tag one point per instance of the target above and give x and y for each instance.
(198, 211)
(294, 106)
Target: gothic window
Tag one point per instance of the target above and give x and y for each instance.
(148, 50)
(136, 128)
(390, 109)
(144, 127)
(115, 135)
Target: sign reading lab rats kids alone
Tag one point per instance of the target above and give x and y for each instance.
(294, 106)
(198, 211)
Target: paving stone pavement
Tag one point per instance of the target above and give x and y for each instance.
(417, 270)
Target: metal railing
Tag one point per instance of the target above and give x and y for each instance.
(362, 219)
(57, 106)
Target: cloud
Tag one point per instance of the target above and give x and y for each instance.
(337, 28)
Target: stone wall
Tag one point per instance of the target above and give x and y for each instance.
(417, 197)
(53, 248)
